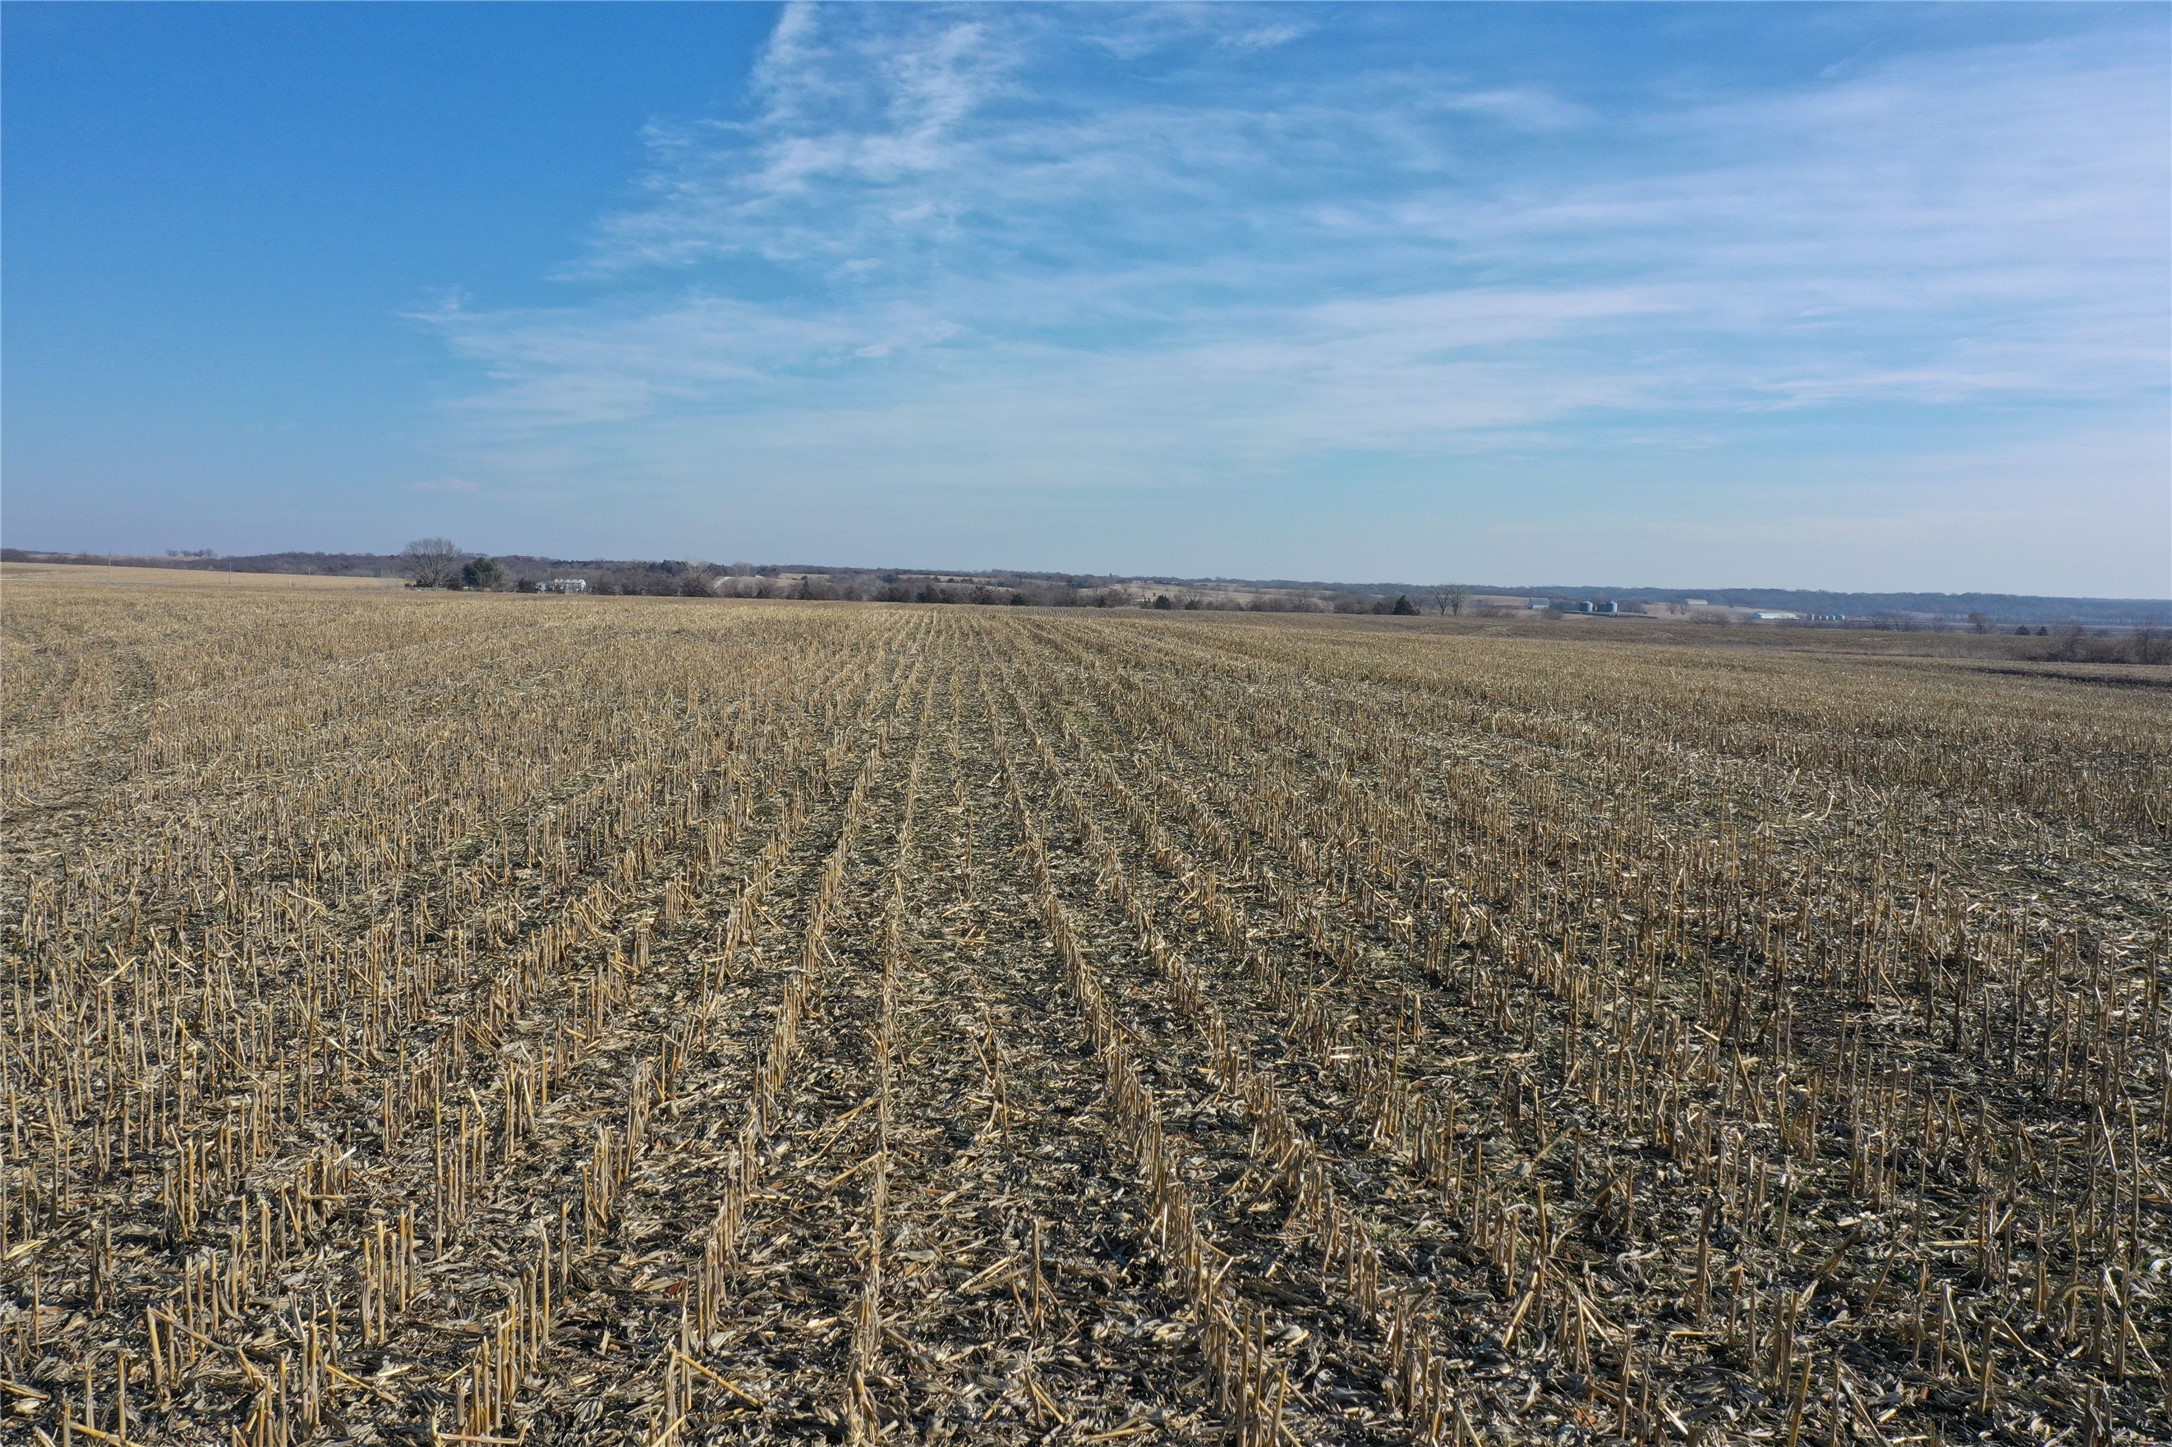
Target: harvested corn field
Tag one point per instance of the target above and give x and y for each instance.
(491, 1020)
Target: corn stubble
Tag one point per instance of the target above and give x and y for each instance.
(470, 1020)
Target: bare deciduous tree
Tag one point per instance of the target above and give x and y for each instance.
(431, 562)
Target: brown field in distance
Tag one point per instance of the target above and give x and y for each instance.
(122, 576)
(491, 1019)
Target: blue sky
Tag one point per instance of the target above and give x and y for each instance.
(1854, 296)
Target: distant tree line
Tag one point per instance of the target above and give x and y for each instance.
(439, 563)
(2071, 642)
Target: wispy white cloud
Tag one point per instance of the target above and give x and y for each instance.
(1260, 37)
(1517, 105)
(1134, 33)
